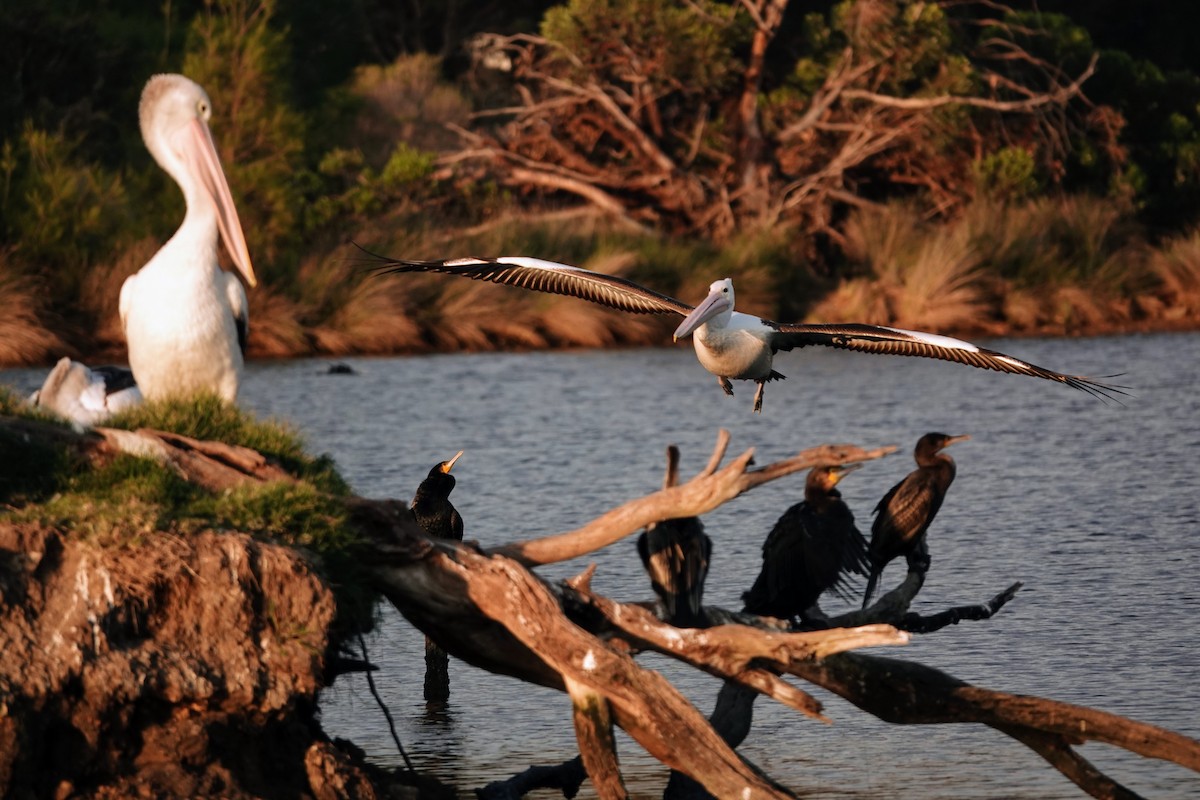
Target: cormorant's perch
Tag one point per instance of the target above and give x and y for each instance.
(730, 344)
(812, 549)
(675, 553)
(904, 513)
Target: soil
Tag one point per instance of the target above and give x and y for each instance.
(166, 667)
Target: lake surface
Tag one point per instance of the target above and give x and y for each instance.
(1095, 506)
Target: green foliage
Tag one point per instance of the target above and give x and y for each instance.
(60, 208)
(673, 44)
(1008, 174)
(128, 498)
(208, 417)
(235, 53)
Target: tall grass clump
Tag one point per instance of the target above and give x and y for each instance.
(25, 335)
(1176, 266)
(911, 274)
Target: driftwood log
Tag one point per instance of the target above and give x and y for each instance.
(490, 609)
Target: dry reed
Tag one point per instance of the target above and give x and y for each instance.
(25, 338)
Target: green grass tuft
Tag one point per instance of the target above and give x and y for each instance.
(127, 499)
(208, 417)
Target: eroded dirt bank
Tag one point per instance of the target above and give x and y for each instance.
(163, 666)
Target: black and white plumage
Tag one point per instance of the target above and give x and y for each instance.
(904, 514)
(812, 549)
(676, 554)
(86, 396)
(730, 344)
(431, 506)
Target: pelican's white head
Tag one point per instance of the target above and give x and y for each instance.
(717, 307)
(174, 113)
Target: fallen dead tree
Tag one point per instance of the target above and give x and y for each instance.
(489, 608)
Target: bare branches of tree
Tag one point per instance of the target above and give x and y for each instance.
(897, 97)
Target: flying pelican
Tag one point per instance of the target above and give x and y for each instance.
(675, 553)
(812, 549)
(184, 318)
(906, 511)
(431, 505)
(730, 344)
(86, 396)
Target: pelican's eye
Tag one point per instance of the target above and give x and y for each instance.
(203, 109)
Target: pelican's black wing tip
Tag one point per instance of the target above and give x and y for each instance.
(1100, 388)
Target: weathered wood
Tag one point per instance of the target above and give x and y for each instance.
(597, 745)
(492, 611)
(710, 489)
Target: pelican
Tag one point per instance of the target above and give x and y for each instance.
(86, 396)
(184, 317)
(730, 344)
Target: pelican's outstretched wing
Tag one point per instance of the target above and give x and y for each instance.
(550, 277)
(897, 341)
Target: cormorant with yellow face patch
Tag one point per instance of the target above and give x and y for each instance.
(812, 549)
(431, 505)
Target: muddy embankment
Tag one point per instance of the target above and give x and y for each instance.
(164, 667)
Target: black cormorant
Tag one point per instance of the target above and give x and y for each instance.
(904, 513)
(675, 553)
(431, 505)
(812, 549)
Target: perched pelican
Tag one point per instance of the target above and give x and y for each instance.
(431, 505)
(86, 396)
(812, 549)
(675, 553)
(905, 512)
(184, 318)
(729, 344)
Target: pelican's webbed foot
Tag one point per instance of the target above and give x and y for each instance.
(726, 385)
(758, 395)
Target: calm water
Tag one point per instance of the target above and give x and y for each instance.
(1096, 507)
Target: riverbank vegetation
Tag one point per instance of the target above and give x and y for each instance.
(964, 167)
(115, 503)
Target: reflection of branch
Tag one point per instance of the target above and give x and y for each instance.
(702, 494)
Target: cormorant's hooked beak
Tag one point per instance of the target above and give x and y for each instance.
(714, 304)
(960, 438)
(200, 154)
(445, 466)
(842, 470)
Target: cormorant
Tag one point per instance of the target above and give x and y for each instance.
(675, 553)
(905, 512)
(431, 505)
(728, 343)
(812, 549)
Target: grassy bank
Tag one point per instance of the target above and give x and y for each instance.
(1067, 267)
(118, 503)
